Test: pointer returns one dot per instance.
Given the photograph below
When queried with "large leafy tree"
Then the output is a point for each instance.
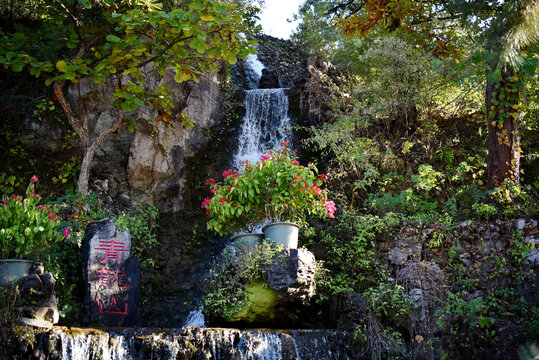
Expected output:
(503, 29)
(117, 41)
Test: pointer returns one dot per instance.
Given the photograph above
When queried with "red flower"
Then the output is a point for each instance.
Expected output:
(205, 203)
(33, 179)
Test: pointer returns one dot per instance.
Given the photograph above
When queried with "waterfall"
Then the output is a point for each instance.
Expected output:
(253, 70)
(196, 343)
(266, 123)
(196, 318)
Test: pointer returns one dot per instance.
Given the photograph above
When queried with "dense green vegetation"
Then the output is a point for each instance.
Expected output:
(415, 139)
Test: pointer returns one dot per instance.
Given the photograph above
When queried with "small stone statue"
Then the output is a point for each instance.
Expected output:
(38, 301)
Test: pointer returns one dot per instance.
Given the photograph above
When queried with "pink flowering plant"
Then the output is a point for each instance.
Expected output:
(276, 188)
(26, 227)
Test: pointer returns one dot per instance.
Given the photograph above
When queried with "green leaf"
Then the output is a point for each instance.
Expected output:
(182, 75)
(61, 66)
(113, 38)
(494, 77)
(85, 3)
(232, 60)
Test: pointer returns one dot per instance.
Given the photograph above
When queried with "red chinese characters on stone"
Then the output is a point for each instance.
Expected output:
(112, 280)
(108, 277)
(113, 250)
(113, 307)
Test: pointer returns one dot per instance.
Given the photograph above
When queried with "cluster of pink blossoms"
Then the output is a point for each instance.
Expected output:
(330, 208)
(267, 157)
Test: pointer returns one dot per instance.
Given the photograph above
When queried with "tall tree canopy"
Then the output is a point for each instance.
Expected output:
(504, 29)
(105, 39)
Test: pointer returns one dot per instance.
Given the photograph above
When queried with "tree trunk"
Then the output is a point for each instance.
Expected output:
(503, 135)
(84, 175)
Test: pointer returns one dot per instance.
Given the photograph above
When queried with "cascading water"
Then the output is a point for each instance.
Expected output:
(196, 343)
(266, 123)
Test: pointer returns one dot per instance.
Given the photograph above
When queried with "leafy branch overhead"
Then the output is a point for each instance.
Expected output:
(129, 37)
(122, 41)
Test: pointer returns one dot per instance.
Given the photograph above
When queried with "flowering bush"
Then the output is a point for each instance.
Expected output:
(27, 228)
(277, 188)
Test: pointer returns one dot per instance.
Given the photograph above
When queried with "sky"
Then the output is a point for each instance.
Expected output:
(274, 15)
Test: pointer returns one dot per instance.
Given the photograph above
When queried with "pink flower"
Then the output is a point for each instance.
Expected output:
(33, 179)
(316, 190)
(330, 208)
(267, 157)
(205, 203)
(66, 233)
(5, 202)
(295, 162)
(228, 172)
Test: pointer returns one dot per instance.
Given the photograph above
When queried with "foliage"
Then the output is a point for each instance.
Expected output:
(238, 267)
(142, 225)
(276, 188)
(26, 228)
(349, 252)
(118, 42)
(389, 303)
(469, 321)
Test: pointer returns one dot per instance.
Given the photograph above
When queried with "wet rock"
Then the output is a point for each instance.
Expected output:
(268, 80)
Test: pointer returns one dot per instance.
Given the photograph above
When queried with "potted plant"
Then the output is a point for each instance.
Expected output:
(233, 207)
(26, 229)
(277, 189)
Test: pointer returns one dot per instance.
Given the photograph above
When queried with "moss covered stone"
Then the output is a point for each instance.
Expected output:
(260, 301)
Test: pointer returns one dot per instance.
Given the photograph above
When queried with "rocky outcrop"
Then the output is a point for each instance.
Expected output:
(156, 156)
(347, 310)
(146, 165)
(292, 276)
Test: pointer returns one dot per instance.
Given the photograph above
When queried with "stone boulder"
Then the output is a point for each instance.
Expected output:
(289, 284)
(111, 276)
(293, 276)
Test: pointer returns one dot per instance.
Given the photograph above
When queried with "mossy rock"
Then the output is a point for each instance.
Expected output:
(260, 302)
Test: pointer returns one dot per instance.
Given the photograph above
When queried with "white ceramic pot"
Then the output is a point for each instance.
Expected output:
(285, 233)
(13, 269)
